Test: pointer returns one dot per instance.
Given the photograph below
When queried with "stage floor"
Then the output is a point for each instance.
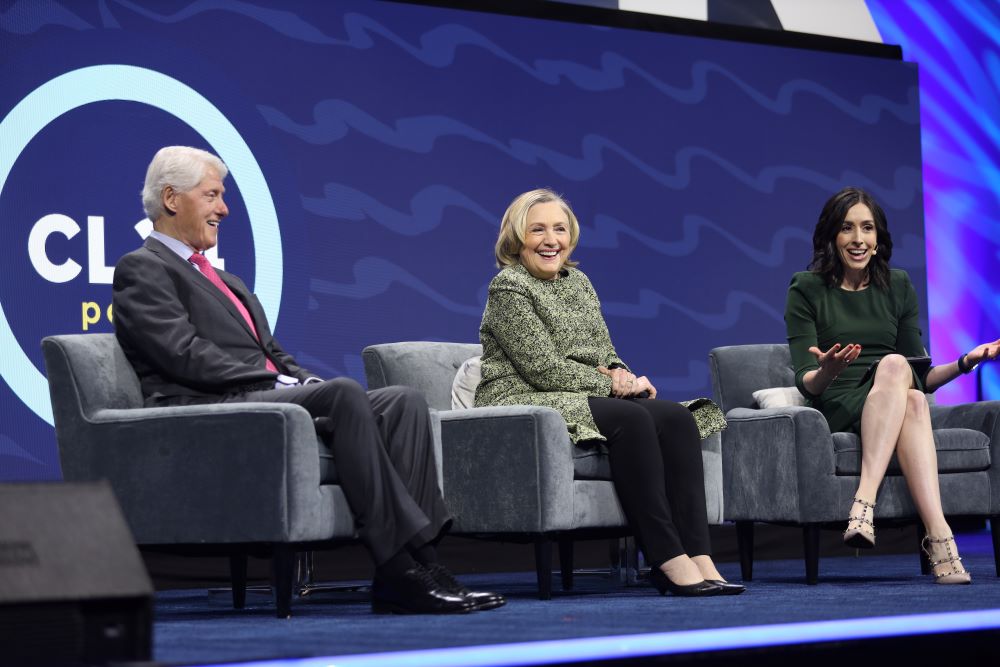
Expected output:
(194, 627)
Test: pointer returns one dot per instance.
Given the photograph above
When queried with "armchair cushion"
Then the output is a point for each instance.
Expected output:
(958, 450)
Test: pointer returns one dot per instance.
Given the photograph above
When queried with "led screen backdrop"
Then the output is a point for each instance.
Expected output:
(374, 146)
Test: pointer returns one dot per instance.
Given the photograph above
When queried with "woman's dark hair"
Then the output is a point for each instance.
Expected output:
(826, 259)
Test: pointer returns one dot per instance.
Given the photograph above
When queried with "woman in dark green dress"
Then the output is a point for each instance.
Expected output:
(848, 311)
(545, 343)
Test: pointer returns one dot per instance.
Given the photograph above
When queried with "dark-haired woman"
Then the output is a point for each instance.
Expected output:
(848, 311)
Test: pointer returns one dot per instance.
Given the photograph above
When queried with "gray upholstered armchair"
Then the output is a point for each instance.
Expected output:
(782, 464)
(512, 472)
(236, 479)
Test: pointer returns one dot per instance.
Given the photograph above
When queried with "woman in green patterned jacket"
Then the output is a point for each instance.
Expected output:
(545, 343)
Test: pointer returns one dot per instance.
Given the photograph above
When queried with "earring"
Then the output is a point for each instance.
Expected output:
(874, 251)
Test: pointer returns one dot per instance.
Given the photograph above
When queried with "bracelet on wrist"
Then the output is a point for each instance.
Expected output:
(963, 364)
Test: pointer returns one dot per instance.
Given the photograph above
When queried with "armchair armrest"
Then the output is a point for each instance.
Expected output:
(228, 472)
(711, 457)
(981, 416)
(984, 417)
(507, 469)
(778, 465)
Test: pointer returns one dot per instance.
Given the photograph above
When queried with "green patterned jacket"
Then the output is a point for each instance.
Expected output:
(542, 343)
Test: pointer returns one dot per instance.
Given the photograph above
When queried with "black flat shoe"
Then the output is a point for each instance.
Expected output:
(727, 588)
(481, 600)
(663, 584)
(415, 592)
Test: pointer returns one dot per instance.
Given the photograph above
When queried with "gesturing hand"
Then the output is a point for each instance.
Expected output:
(984, 352)
(624, 383)
(835, 360)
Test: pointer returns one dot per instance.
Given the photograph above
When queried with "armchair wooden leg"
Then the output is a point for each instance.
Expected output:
(925, 563)
(282, 575)
(543, 566)
(744, 543)
(238, 579)
(995, 533)
(810, 541)
(566, 563)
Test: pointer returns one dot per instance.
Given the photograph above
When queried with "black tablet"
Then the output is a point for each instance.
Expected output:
(919, 364)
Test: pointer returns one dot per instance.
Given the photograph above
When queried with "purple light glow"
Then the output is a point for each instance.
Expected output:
(957, 47)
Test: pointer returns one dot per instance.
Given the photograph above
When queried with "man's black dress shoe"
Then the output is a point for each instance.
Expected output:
(663, 584)
(415, 592)
(727, 588)
(481, 600)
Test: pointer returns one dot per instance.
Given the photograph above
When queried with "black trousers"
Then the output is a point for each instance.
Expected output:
(655, 455)
(383, 453)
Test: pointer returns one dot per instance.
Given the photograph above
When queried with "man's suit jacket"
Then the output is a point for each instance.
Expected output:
(184, 337)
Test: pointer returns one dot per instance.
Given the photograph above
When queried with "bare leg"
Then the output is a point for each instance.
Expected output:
(882, 421)
(918, 460)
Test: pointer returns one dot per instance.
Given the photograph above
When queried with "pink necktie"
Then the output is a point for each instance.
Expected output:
(208, 271)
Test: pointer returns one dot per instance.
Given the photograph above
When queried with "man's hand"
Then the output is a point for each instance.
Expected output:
(285, 381)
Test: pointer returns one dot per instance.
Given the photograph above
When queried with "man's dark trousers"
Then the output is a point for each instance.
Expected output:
(383, 455)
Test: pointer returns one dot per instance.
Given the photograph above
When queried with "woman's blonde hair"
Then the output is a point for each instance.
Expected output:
(511, 239)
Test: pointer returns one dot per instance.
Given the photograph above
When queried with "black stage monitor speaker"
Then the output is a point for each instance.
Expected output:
(73, 588)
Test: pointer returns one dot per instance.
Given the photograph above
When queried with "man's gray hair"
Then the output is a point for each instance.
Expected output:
(180, 167)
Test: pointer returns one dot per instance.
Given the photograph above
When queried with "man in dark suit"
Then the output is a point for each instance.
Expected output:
(195, 334)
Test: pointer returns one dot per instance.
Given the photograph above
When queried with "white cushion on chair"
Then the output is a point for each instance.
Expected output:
(778, 397)
(463, 388)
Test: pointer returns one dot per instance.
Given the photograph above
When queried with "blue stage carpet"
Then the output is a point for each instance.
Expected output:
(194, 627)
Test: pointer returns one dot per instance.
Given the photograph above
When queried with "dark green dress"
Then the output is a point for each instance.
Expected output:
(880, 322)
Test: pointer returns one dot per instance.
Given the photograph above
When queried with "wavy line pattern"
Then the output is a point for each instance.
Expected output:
(334, 118)
(606, 231)
(9, 448)
(651, 301)
(439, 46)
(375, 275)
(26, 17)
(691, 162)
(427, 208)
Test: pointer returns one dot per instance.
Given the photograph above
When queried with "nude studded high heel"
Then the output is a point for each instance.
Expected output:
(943, 552)
(860, 532)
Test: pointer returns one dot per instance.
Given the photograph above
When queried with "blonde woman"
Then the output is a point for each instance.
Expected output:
(546, 343)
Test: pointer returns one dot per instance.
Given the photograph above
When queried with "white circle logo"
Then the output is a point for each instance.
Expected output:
(104, 83)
